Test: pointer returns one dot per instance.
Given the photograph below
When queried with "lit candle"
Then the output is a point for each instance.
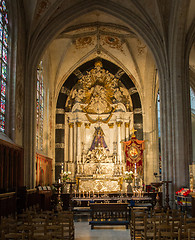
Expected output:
(59, 180)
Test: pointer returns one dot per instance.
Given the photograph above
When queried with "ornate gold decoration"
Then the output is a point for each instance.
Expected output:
(99, 119)
(119, 124)
(87, 125)
(111, 125)
(113, 42)
(98, 92)
(133, 132)
(78, 124)
(71, 125)
(126, 124)
(83, 42)
(59, 145)
(98, 64)
(60, 126)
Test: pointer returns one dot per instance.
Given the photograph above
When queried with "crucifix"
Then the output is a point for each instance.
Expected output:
(133, 132)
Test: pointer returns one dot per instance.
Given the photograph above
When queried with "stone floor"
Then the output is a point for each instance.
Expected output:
(83, 231)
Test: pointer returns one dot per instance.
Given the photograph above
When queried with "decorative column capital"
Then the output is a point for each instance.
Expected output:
(78, 124)
(119, 124)
(127, 124)
(71, 125)
(111, 125)
(87, 125)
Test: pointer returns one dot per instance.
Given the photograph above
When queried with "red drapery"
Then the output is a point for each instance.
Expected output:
(134, 155)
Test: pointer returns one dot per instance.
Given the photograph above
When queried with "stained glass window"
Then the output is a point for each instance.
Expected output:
(3, 61)
(40, 95)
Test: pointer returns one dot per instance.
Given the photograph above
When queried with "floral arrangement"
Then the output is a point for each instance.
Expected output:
(184, 192)
(129, 175)
(65, 176)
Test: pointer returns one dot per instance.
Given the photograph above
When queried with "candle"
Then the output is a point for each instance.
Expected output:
(141, 182)
(135, 168)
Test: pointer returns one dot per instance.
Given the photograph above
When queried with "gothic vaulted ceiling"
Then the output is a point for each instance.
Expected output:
(85, 30)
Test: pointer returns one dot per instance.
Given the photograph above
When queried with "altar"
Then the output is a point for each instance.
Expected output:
(99, 183)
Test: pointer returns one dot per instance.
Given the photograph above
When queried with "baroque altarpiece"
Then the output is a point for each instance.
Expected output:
(97, 121)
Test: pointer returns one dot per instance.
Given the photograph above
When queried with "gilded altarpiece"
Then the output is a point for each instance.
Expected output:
(98, 119)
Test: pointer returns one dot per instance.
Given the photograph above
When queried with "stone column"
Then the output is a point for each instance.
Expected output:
(78, 139)
(176, 131)
(66, 143)
(71, 125)
(111, 125)
(87, 130)
(119, 140)
(126, 131)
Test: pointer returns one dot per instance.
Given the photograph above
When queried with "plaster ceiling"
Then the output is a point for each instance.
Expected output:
(99, 34)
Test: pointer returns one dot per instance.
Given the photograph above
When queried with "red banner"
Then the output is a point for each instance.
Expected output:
(134, 155)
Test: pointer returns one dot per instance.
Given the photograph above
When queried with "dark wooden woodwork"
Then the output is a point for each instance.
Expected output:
(45, 200)
(7, 204)
(11, 166)
(109, 214)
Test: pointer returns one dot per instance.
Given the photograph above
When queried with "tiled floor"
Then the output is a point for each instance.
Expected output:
(83, 232)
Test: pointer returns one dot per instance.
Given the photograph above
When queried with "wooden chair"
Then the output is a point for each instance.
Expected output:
(149, 229)
(67, 222)
(40, 237)
(137, 222)
(55, 231)
(167, 235)
(13, 235)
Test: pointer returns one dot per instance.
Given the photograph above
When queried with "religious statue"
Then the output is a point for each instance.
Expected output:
(98, 140)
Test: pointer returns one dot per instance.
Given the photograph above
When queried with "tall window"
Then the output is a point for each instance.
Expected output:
(40, 94)
(3, 61)
(159, 133)
(192, 96)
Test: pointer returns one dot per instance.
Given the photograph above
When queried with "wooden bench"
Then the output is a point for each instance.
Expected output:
(109, 214)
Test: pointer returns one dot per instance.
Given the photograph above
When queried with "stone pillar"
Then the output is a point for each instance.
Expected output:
(71, 125)
(119, 140)
(111, 125)
(66, 143)
(78, 138)
(87, 130)
(126, 131)
(176, 131)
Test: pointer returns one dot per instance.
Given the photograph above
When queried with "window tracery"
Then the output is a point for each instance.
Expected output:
(3, 61)
(40, 102)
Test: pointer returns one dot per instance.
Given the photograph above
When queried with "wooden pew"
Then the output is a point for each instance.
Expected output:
(109, 214)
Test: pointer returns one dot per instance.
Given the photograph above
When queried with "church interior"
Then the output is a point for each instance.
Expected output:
(97, 116)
